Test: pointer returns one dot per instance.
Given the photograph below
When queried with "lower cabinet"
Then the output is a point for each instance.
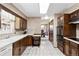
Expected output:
(29, 41)
(16, 48)
(74, 49)
(66, 48)
(60, 47)
(71, 48)
(20, 46)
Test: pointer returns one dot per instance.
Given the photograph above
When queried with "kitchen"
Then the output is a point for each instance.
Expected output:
(13, 37)
(18, 32)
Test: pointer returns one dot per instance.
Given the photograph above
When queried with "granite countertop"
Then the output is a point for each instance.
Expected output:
(5, 42)
(77, 42)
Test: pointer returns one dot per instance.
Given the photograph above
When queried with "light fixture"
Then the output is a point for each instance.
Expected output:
(45, 17)
(44, 8)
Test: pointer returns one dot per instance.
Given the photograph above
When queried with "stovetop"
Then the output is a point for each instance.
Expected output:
(73, 38)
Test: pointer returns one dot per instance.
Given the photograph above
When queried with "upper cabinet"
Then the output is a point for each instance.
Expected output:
(20, 24)
(74, 17)
(10, 21)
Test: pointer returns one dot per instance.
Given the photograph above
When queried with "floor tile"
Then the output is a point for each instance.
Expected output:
(45, 49)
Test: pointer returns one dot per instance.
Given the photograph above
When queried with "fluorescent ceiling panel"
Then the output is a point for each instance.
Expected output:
(44, 8)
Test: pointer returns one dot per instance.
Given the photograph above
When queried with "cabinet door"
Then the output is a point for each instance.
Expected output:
(60, 46)
(18, 23)
(66, 48)
(22, 46)
(29, 40)
(73, 49)
(24, 23)
(16, 48)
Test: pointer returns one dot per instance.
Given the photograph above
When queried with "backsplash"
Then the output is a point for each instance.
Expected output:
(8, 35)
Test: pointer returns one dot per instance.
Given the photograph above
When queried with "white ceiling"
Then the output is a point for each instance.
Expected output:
(33, 9)
(55, 8)
(29, 9)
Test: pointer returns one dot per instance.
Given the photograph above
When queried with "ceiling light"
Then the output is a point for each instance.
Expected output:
(45, 18)
(44, 8)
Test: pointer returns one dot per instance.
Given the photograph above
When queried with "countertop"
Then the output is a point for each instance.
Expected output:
(77, 42)
(13, 39)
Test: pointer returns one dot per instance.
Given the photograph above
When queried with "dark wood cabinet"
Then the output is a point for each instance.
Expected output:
(62, 30)
(66, 28)
(16, 48)
(60, 46)
(20, 24)
(74, 49)
(29, 41)
(20, 46)
(51, 31)
(66, 47)
(71, 48)
(74, 16)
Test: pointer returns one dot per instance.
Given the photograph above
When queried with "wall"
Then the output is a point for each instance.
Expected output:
(34, 25)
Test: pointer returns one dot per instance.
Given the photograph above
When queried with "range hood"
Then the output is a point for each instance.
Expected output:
(74, 21)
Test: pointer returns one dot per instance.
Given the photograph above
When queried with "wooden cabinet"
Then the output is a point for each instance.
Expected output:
(62, 30)
(51, 31)
(66, 28)
(66, 47)
(16, 48)
(60, 46)
(74, 49)
(20, 24)
(74, 16)
(29, 40)
(71, 48)
(20, 46)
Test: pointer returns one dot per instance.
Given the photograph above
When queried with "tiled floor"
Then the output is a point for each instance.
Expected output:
(45, 49)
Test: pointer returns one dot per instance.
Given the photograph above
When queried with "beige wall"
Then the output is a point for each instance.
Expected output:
(14, 9)
(34, 25)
